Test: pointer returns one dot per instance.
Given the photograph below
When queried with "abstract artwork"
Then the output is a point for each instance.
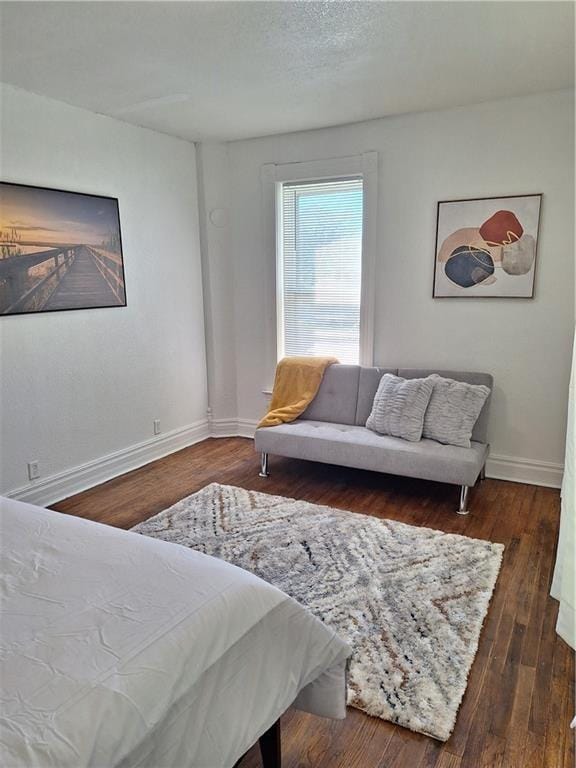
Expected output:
(58, 250)
(486, 247)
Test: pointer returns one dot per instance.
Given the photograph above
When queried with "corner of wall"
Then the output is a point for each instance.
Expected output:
(218, 279)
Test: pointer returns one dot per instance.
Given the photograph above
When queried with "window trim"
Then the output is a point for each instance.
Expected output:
(272, 177)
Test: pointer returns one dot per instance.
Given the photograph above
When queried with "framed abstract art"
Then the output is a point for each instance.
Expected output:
(486, 247)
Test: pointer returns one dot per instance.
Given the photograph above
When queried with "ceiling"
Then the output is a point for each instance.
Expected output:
(232, 70)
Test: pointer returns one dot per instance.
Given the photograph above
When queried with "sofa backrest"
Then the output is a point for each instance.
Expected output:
(368, 386)
(347, 393)
(337, 397)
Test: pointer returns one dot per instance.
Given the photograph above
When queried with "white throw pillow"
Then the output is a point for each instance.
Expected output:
(399, 407)
(453, 410)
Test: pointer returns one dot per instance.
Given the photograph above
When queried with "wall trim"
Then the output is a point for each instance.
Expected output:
(224, 427)
(59, 486)
(49, 490)
(233, 427)
(247, 427)
(519, 470)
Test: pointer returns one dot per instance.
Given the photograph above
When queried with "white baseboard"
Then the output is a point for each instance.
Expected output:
(233, 427)
(224, 427)
(246, 427)
(519, 470)
(51, 489)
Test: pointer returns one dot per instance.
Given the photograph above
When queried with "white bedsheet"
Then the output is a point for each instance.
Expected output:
(122, 650)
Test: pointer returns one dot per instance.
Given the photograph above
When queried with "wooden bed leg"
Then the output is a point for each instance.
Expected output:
(270, 747)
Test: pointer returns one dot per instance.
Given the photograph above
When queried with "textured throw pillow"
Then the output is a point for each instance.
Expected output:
(399, 407)
(453, 410)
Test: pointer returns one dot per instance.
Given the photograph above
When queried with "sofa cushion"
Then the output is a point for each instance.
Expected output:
(355, 446)
(399, 407)
(453, 410)
(479, 433)
(336, 399)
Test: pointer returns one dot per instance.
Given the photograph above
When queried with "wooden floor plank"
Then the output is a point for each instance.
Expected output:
(404, 748)
(533, 756)
(541, 699)
(520, 696)
(447, 760)
(520, 715)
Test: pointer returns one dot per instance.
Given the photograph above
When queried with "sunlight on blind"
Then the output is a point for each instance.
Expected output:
(320, 270)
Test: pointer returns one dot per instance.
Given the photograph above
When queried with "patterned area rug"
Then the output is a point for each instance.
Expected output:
(410, 601)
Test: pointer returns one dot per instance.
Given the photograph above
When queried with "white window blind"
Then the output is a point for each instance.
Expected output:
(320, 268)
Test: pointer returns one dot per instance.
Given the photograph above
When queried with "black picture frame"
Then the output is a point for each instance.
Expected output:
(58, 274)
(480, 245)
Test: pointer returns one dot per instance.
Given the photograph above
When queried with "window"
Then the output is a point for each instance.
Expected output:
(320, 238)
(319, 270)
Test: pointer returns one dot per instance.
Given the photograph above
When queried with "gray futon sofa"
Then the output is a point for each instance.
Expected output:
(332, 430)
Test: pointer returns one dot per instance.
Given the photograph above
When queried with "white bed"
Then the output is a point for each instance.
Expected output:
(122, 650)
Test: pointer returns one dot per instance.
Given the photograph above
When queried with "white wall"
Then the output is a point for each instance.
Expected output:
(80, 385)
(516, 146)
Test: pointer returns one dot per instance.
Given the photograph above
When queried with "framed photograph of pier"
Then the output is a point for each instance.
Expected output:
(59, 250)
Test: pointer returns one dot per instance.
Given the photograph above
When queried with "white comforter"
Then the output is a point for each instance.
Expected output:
(122, 650)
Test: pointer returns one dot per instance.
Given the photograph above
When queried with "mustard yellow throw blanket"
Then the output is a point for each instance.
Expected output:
(296, 383)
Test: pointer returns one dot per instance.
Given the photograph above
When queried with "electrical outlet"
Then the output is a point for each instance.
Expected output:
(157, 426)
(33, 470)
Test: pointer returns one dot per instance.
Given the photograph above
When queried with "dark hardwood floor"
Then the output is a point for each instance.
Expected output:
(520, 696)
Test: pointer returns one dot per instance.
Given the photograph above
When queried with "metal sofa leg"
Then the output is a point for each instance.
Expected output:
(463, 500)
(263, 465)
